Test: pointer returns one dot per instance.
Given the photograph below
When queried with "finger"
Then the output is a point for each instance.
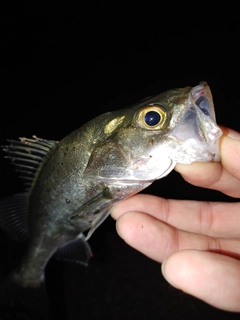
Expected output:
(211, 277)
(224, 176)
(215, 219)
(210, 175)
(158, 240)
(230, 152)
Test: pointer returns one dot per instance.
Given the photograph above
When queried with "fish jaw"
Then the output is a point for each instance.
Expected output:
(196, 136)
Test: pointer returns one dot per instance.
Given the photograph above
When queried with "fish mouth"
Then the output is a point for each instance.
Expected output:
(197, 134)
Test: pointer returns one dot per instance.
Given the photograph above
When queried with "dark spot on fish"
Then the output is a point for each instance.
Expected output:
(96, 211)
(67, 200)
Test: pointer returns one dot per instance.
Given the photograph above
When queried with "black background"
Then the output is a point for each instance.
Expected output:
(65, 63)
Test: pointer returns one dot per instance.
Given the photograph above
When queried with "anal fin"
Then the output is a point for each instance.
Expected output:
(77, 251)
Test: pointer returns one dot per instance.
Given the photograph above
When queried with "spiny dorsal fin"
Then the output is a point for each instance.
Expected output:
(27, 155)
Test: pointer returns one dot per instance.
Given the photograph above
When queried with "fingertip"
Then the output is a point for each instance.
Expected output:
(172, 267)
(202, 174)
(211, 277)
(124, 226)
(184, 268)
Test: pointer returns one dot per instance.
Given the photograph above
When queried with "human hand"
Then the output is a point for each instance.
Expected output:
(198, 242)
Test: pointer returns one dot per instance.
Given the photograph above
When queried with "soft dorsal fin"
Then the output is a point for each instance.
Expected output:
(27, 156)
(14, 216)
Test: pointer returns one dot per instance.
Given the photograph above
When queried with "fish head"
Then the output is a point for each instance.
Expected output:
(146, 141)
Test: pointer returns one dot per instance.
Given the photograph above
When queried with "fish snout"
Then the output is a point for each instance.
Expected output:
(197, 132)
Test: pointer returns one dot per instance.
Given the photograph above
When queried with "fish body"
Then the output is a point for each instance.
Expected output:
(71, 185)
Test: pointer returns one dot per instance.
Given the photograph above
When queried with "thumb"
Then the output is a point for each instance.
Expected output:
(210, 277)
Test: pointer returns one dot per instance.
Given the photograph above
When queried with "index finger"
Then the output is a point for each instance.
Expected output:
(215, 219)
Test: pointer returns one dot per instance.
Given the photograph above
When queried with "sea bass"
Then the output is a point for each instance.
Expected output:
(72, 184)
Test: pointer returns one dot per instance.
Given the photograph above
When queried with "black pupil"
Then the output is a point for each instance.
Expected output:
(152, 118)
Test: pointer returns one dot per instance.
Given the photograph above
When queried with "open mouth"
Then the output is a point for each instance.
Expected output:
(197, 133)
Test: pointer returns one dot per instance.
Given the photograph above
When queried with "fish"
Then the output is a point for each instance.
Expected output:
(70, 186)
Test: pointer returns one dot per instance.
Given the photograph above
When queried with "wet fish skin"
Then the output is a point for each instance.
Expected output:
(110, 158)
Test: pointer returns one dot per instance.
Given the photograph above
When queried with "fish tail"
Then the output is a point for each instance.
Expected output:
(17, 302)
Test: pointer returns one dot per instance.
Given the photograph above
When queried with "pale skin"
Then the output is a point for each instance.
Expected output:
(197, 243)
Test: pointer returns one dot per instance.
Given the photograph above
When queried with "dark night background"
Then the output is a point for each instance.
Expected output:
(63, 64)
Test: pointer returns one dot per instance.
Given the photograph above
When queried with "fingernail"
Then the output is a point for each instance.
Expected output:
(168, 277)
(163, 267)
(233, 134)
(164, 273)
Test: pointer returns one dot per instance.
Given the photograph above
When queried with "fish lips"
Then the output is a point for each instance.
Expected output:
(196, 136)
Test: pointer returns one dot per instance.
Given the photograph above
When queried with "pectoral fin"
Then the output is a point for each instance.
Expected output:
(101, 217)
(94, 211)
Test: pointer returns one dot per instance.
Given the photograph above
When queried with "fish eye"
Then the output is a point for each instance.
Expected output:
(152, 117)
